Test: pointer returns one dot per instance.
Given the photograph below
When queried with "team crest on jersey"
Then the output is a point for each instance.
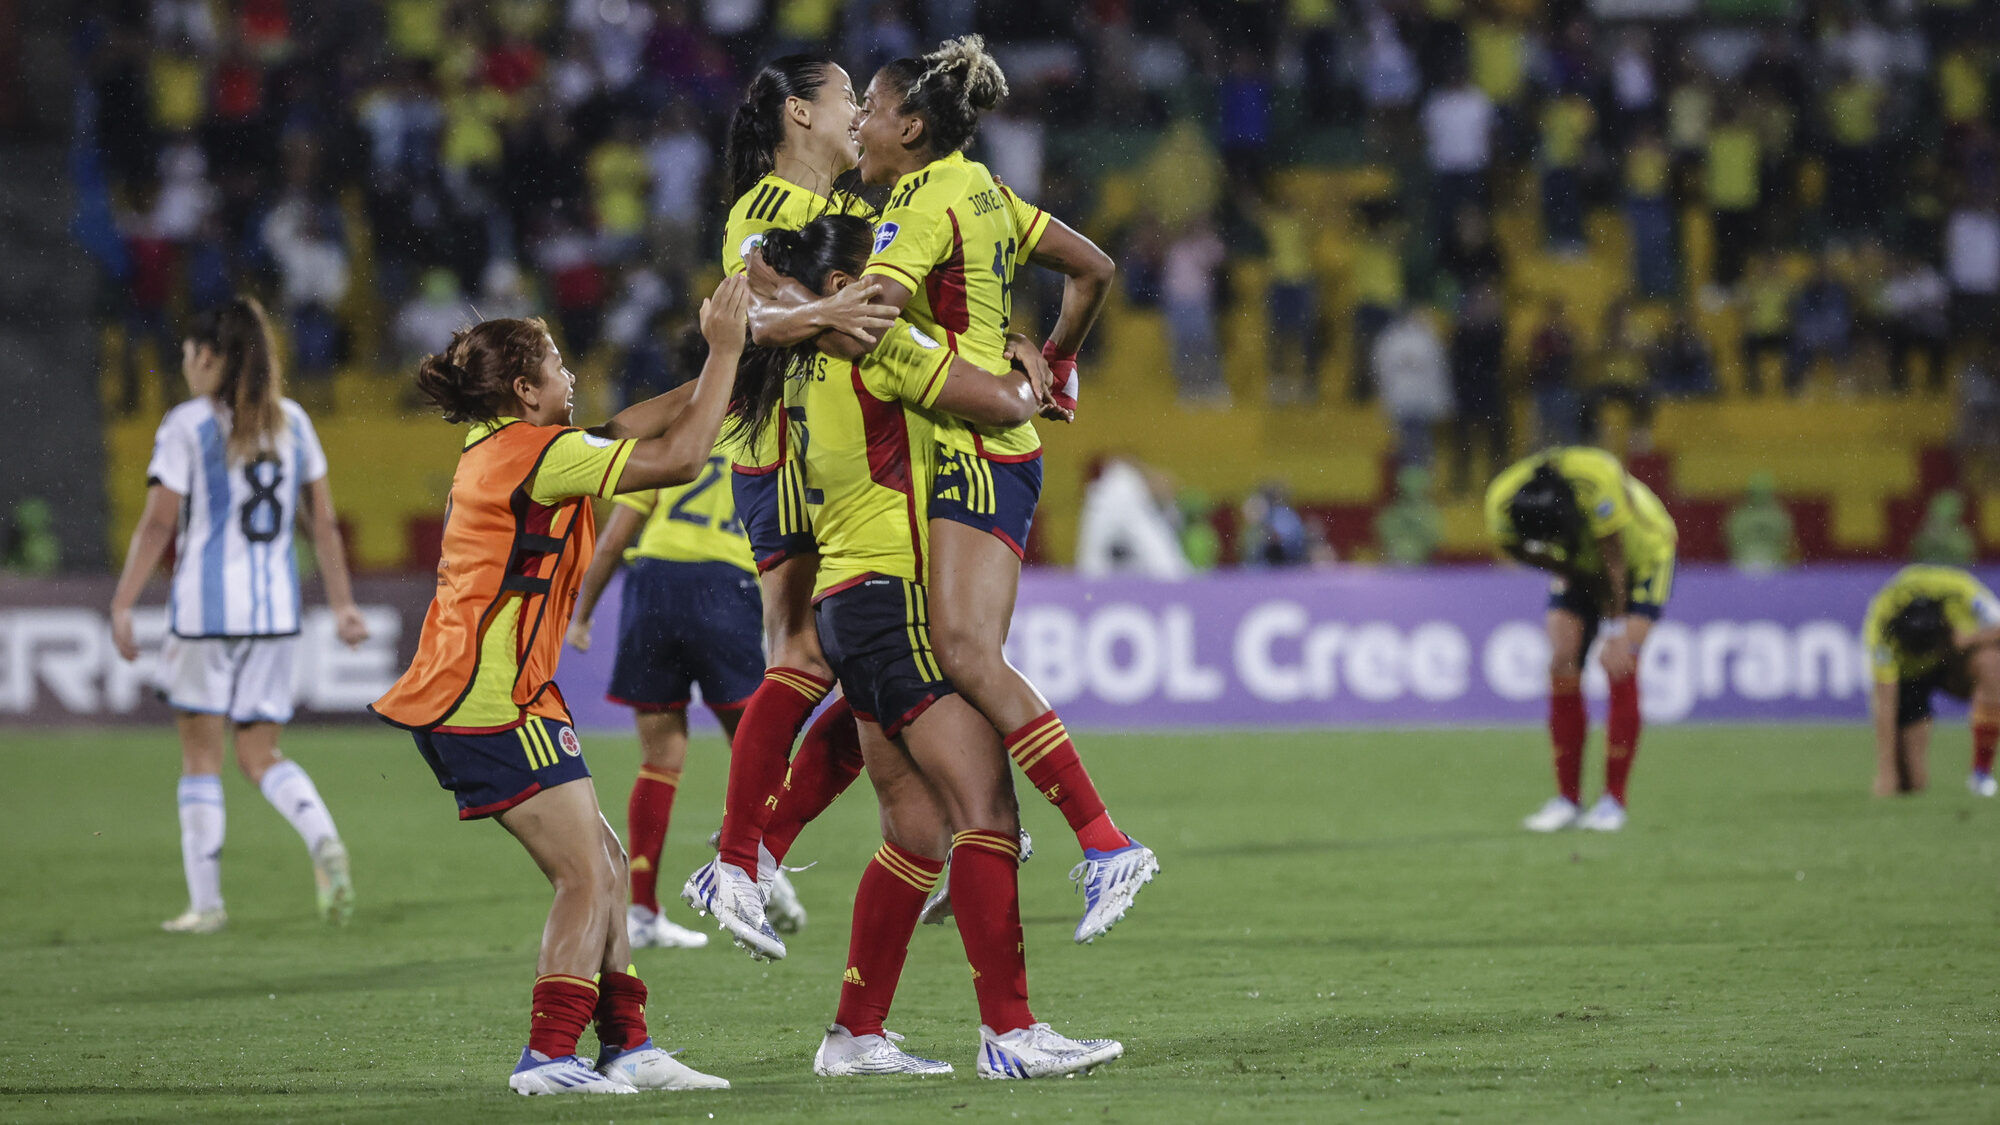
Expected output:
(754, 242)
(884, 235)
(1604, 508)
(922, 339)
(570, 745)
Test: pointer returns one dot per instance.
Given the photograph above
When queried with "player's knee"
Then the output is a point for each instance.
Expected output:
(962, 651)
(1565, 666)
(1985, 664)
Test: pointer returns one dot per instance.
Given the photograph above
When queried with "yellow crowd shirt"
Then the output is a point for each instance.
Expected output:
(869, 449)
(1968, 606)
(954, 238)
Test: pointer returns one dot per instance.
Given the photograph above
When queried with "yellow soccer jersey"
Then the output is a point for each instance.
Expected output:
(870, 451)
(774, 204)
(693, 522)
(1611, 501)
(576, 464)
(1968, 605)
(954, 238)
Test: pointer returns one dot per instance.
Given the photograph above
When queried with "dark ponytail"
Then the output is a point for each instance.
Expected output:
(251, 387)
(472, 380)
(808, 256)
(950, 88)
(758, 125)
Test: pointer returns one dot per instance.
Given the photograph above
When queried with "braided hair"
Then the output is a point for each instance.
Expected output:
(950, 88)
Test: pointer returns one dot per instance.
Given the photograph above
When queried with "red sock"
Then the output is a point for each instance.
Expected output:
(757, 757)
(1044, 752)
(563, 1006)
(621, 1010)
(1569, 725)
(892, 894)
(828, 761)
(986, 899)
(1985, 736)
(1621, 736)
(647, 812)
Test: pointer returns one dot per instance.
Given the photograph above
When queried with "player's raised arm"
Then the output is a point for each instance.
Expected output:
(677, 454)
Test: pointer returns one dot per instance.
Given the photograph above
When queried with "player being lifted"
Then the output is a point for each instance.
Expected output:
(947, 247)
(480, 696)
(229, 468)
(863, 434)
(1932, 629)
(1576, 513)
(690, 615)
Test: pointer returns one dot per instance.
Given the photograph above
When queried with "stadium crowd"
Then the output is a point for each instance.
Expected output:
(379, 167)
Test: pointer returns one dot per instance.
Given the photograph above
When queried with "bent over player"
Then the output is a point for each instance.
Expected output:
(1576, 513)
(1932, 629)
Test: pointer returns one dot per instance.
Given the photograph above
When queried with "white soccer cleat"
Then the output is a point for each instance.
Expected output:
(1982, 785)
(1559, 813)
(1109, 882)
(699, 890)
(647, 930)
(843, 1055)
(1027, 848)
(197, 922)
(332, 883)
(1037, 1051)
(539, 1074)
(1607, 815)
(647, 1067)
(739, 907)
(782, 907)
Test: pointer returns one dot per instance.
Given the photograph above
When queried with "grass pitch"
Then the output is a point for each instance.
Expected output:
(1348, 927)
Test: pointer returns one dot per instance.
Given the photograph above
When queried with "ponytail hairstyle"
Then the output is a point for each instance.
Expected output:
(949, 88)
(472, 380)
(758, 126)
(807, 255)
(252, 386)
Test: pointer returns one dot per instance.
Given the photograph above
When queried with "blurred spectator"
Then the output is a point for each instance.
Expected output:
(1734, 194)
(1681, 366)
(633, 331)
(679, 159)
(1943, 539)
(1853, 109)
(1458, 142)
(1142, 261)
(1199, 541)
(1648, 171)
(32, 547)
(1822, 325)
(1915, 304)
(1760, 529)
(304, 237)
(1621, 379)
(1411, 371)
(1190, 278)
(1245, 109)
(1480, 412)
(1767, 318)
(1292, 303)
(619, 182)
(147, 300)
(1407, 530)
(1972, 262)
(1270, 531)
(1567, 122)
(1552, 378)
(1470, 257)
(503, 291)
(1389, 83)
(1977, 440)
(576, 274)
(1124, 526)
(424, 325)
(1375, 272)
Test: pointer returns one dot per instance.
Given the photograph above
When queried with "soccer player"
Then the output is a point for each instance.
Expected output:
(788, 141)
(690, 615)
(480, 696)
(1932, 629)
(946, 249)
(1609, 542)
(867, 452)
(229, 469)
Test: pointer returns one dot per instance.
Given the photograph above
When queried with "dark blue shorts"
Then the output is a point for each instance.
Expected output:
(876, 634)
(687, 623)
(491, 773)
(1914, 694)
(993, 496)
(771, 506)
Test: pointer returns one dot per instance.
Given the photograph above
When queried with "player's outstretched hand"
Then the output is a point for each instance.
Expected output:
(121, 634)
(579, 635)
(1022, 352)
(350, 626)
(725, 317)
(855, 311)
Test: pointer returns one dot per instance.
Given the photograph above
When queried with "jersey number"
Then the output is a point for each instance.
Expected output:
(1003, 268)
(261, 515)
(797, 416)
(707, 480)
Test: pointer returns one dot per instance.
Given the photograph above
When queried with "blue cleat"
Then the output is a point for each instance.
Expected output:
(1109, 882)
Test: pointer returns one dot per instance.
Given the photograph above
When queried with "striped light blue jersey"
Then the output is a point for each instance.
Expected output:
(234, 572)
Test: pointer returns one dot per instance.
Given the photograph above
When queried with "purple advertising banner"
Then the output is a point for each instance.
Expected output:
(1336, 647)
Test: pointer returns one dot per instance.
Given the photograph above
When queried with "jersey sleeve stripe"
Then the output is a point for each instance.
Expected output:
(619, 456)
(934, 385)
(910, 281)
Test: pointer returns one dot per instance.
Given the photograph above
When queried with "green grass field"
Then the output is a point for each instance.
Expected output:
(1348, 926)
